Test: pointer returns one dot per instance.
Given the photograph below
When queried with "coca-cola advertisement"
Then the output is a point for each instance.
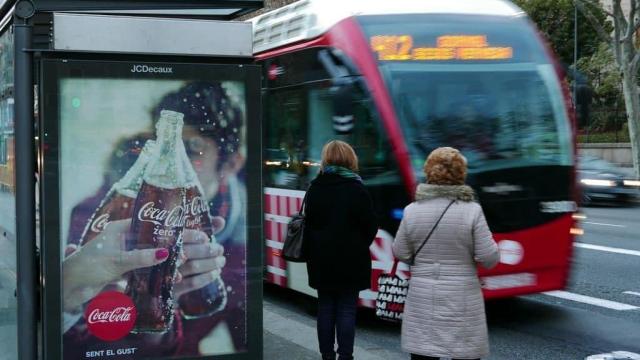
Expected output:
(153, 177)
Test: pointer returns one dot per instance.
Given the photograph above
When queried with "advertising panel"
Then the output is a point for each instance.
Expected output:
(150, 171)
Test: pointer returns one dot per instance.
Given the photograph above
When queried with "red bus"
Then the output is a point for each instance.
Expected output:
(396, 79)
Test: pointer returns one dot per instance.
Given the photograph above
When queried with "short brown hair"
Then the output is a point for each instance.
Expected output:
(339, 153)
(445, 166)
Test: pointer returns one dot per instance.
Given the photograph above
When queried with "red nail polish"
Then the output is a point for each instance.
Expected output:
(162, 254)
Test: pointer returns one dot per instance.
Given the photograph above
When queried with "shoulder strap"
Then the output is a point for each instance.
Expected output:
(304, 201)
(413, 258)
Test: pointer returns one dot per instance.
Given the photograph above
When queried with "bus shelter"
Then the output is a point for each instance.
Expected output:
(129, 180)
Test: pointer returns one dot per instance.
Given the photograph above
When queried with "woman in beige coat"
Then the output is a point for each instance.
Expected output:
(444, 314)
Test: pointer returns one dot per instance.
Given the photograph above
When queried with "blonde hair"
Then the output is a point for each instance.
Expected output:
(339, 153)
(445, 166)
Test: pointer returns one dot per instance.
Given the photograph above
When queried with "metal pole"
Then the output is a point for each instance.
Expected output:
(25, 193)
(575, 54)
(575, 67)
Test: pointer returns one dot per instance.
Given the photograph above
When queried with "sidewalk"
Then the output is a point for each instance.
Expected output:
(287, 338)
(275, 346)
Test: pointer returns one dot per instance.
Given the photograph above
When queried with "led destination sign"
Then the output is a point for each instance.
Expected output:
(448, 47)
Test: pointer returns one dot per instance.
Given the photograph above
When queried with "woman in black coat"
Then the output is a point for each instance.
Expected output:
(340, 226)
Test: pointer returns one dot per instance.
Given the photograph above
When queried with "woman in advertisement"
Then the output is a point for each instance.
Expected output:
(212, 259)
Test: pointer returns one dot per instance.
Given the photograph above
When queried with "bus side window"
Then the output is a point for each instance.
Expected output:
(300, 118)
(369, 140)
(285, 143)
(363, 132)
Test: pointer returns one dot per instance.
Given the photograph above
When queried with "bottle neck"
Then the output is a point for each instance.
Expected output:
(130, 183)
(165, 169)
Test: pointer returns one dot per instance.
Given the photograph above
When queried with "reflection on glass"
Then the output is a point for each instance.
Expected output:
(8, 304)
(510, 118)
(301, 121)
(483, 85)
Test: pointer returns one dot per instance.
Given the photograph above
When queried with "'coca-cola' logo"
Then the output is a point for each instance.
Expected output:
(100, 223)
(110, 316)
(197, 206)
(161, 217)
(119, 314)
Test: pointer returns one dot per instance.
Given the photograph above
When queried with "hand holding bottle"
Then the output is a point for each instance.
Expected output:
(108, 261)
(203, 259)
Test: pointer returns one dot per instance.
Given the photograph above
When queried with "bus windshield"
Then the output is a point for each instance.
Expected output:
(479, 84)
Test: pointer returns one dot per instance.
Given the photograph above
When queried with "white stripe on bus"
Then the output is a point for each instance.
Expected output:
(381, 265)
(283, 192)
(277, 218)
(274, 230)
(273, 204)
(275, 244)
(276, 271)
(282, 206)
(293, 205)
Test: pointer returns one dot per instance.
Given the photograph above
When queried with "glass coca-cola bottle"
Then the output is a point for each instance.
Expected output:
(158, 222)
(213, 297)
(118, 203)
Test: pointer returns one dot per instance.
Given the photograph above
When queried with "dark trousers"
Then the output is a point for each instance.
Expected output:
(422, 357)
(337, 316)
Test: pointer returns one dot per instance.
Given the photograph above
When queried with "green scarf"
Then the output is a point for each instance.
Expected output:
(341, 171)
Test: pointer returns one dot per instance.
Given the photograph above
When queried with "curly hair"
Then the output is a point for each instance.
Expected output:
(207, 107)
(445, 166)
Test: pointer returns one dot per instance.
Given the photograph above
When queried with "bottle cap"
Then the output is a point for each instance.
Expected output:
(171, 115)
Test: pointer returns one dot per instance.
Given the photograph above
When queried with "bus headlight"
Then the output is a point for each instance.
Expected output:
(576, 231)
(595, 182)
(632, 183)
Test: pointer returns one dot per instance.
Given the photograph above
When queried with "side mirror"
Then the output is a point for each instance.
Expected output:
(342, 98)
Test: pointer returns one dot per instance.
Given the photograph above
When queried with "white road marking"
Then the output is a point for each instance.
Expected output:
(615, 355)
(632, 293)
(607, 249)
(603, 224)
(591, 300)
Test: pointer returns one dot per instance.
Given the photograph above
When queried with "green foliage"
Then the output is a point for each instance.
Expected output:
(597, 70)
(601, 69)
(605, 137)
(607, 106)
(555, 19)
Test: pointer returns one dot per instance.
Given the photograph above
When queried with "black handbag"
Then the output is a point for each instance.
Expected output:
(413, 258)
(292, 249)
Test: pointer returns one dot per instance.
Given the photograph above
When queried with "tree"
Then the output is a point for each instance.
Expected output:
(555, 19)
(605, 86)
(627, 57)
